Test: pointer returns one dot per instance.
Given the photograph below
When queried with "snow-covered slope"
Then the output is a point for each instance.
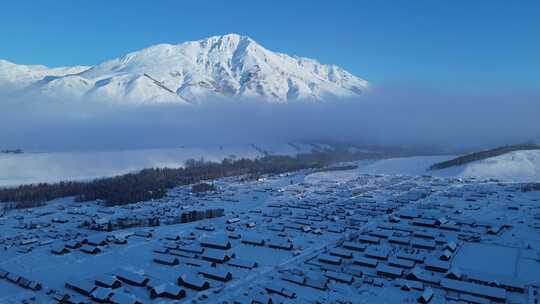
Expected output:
(518, 166)
(20, 76)
(219, 66)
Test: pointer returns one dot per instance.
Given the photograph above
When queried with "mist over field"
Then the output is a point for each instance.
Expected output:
(385, 115)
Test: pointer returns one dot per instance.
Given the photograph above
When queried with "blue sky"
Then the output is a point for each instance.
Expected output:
(449, 44)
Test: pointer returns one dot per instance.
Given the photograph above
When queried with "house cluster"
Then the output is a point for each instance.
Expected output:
(412, 248)
(20, 281)
(150, 219)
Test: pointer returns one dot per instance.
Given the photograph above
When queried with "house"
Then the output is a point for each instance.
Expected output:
(234, 236)
(354, 246)
(83, 287)
(260, 299)
(73, 244)
(233, 220)
(167, 290)
(423, 234)
(426, 296)
(280, 289)
(143, 234)
(423, 243)
(216, 243)
(451, 246)
(120, 241)
(424, 222)
(368, 239)
(339, 277)
(90, 249)
(101, 294)
(59, 296)
(454, 273)
(446, 255)
(108, 281)
(402, 263)
(492, 293)
(23, 282)
(416, 257)
(3, 273)
(217, 256)
(191, 248)
(409, 285)
(96, 240)
(342, 253)
(181, 253)
(420, 275)
(59, 250)
(377, 253)
(329, 259)
(173, 237)
(317, 283)
(293, 278)
(437, 265)
(196, 262)
(242, 263)
(166, 260)
(389, 271)
(367, 262)
(280, 243)
(132, 278)
(161, 250)
(399, 240)
(28, 241)
(509, 283)
(215, 273)
(257, 241)
(193, 282)
(381, 233)
(13, 278)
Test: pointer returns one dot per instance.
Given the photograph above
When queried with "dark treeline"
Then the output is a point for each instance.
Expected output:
(482, 155)
(153, 183)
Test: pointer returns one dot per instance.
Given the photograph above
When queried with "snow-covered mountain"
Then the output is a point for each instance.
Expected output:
(18, 76)
(219, 66)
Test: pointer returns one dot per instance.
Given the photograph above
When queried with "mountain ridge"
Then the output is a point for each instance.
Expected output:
(190, 72)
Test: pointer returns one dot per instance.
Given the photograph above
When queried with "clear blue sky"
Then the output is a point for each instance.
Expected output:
(455, 44)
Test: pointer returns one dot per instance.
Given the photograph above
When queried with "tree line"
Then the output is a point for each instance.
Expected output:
(153, 183)
(462, 160)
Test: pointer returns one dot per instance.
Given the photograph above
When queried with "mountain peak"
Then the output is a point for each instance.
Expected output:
(230, 65)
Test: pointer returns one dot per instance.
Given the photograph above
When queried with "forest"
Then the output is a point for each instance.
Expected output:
(153, 183)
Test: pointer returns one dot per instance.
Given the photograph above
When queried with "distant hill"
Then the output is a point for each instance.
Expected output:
(476, 156)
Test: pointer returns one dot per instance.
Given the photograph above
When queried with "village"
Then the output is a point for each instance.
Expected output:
(335, 236)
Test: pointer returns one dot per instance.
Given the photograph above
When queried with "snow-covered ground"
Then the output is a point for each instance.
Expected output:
(519, 166)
